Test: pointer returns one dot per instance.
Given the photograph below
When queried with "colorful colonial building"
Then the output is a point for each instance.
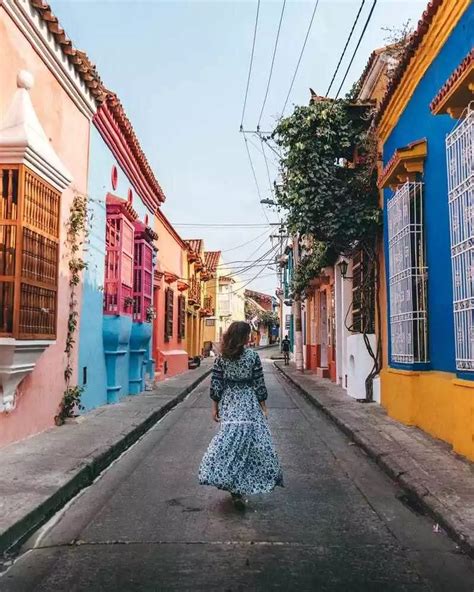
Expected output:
(99, 295)
(123, 196)
(171, 288)
(210, 322)
(262, 312)
(426, 130)
(48, 94)
(199, 304)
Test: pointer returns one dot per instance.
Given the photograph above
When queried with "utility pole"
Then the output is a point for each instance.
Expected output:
(297, 314)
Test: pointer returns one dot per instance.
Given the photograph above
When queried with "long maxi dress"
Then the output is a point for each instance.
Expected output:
(241, 458)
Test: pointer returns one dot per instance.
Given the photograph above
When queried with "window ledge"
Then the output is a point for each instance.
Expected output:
(17, 360)
(404, 372)
(463, 382)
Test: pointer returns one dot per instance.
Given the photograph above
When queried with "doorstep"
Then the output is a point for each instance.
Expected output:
(40, 474)
(424, 467)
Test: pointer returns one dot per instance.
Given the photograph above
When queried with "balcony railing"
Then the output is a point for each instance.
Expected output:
(208, 308)
(194, 295)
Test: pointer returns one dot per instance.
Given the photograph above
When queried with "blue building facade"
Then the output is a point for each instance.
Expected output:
(114, 351)
(430, 373)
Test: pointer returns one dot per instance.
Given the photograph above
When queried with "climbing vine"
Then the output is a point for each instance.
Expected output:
(329, 193)
(314, 259)
(76, 234)
(328, 173)
(328, 180)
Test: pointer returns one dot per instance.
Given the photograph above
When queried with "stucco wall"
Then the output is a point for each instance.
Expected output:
(417, 122)
(172, 259)
(91, 350)
(40, 393)
(433, 399)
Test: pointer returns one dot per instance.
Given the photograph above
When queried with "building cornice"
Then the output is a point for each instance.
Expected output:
(458, 91)
(117, 132)
(404, 165)
(167, 224)
(70, 67)
(434, 28)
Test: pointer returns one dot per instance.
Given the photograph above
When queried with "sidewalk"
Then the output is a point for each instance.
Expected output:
(431, 475)
(40, 474)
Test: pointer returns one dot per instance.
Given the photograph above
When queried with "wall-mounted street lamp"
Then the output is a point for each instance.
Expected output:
(268, 202)
(343, 266)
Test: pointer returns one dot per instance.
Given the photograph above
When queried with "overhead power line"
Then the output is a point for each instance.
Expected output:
(272, 64)
(300, 57)
(250, 65)
(223, 225)
(345, 47)
(266, 166)
(253, 263)
(257, 147)
(357, 47)
(252, 279)
(246, 242)
(254, 176)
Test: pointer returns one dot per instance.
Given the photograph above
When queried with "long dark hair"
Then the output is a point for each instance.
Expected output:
(235, 339)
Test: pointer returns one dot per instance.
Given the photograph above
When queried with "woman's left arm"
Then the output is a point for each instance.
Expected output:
(217, 387)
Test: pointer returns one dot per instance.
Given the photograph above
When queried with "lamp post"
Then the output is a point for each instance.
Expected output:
(343, 266)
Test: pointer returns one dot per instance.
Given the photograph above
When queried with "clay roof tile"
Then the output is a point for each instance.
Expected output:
(415, 41)
(211, 259)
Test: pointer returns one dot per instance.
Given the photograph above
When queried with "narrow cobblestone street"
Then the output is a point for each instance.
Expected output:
(146, 524)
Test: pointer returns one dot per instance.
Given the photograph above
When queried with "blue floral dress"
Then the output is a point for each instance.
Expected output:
(240, 458)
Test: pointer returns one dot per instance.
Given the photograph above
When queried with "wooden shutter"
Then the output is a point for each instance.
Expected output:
(181, 317)
(119, 262)
(29, 254)
(142, 279)
(169, 310)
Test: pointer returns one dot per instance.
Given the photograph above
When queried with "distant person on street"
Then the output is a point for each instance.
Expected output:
(241, 458)
(285, 348)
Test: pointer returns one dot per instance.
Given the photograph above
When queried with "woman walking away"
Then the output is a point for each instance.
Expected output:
(240, 458)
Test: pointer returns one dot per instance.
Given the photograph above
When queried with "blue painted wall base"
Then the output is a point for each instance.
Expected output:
(116, 331)
(139, 341)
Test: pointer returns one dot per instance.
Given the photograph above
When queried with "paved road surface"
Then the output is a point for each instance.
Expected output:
(146, 524)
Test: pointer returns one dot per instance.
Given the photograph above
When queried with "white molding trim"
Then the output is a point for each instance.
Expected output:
(23, 140)
(27, 19)
(17, 360)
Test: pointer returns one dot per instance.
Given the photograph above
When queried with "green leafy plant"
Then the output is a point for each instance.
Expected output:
(128, 301)
(316, 257)
(150, 314)
(76, 235)
(70, 403)
(328, 172)
(268, 318)
(328, 188)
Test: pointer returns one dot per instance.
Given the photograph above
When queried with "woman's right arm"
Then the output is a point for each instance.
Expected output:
(217, 387)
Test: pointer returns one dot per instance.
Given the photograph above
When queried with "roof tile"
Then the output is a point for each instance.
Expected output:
(211, 259)
(415, 41)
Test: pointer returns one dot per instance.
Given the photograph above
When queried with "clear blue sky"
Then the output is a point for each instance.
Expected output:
(180, 69)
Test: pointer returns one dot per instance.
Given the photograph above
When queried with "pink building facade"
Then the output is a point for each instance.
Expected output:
(35, 141)
(170, 294)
